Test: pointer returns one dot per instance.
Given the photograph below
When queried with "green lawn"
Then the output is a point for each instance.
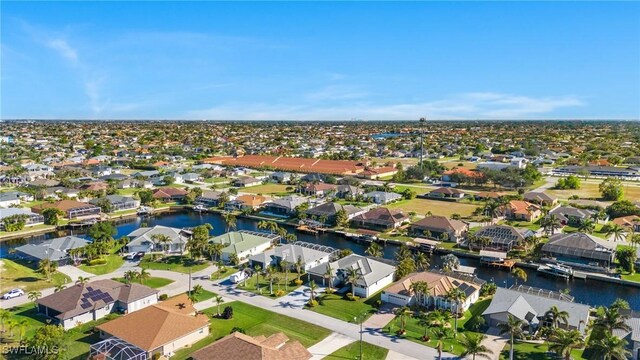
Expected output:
(344, 309)
(114, 262)
(257, 321)
(437, 207)
(419, 189)
(223, 273)
(80, 337)
(204, 295)
(532, 351)
(21, 274)
(152, 282)
(263, 283)
(596, 232)
(352, 351)
(271, 189)
(182, 264)
(27, 229)
(216, 180)
(414, 331)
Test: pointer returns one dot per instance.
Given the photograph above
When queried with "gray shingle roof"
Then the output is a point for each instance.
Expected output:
(54, 249)
(371, 270)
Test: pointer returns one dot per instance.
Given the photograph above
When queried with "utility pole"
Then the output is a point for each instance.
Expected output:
(189, 282)
(422, 121)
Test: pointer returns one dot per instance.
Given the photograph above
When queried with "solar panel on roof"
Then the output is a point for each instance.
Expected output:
(108, 298)
(85, 306)
(89, 288)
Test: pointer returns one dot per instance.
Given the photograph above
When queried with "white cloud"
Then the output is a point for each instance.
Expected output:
(64, 49)
(463, 106)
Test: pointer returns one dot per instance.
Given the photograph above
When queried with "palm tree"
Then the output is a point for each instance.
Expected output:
(284, 266)
(328, 276)
(420, 288)
(422, 262)
(374, 250)
(34, 295)
(47, 267)
(472, 345)
(587, 226)
(611, 319)
(163, 240)
(197, 289)
(143, 275)
(617, 231)
(22, 324)
(550, 224)
(230, 220)
(441, 334)
(457, 296)
(5, 315)
(424, 320)
(81, 280)
(402, 313)
(59, 288)
(611, 347)
(353, 276)
(562, 342)
(270, 273)
(257, 269)
(513, 327)
(555, 316)
(312, 290)
(219, 300)
(519, 273)
(299, 264)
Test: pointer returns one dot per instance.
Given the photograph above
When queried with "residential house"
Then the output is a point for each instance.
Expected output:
(291, 253)
(54, 249)
(280, 177)
(502, 237)
(72, 209)
(633, 336)
(439, 285)
(521, 210)
(134, 183)
(246, 181)
(436, 226)
(569, 215)
(157, 331)
(382, 197)
(247, 201)
(31, 218)
(244, 243)
(379, 219)
(118, 202)
(446, 193)
(319, 189)
(147, 239)
(81, 303)
(209, 198)
(168, 194)
(374, 275)
(629, 222)
(530, 305)
(241, 346)
(348, 191)
(60, 192)
(191, 177)
(329, 210)
(14, 198)
(579, 249)
(285, 206)
(540, 198)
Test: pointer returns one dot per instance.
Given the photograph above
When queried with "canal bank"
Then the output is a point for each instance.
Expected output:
(581, 289)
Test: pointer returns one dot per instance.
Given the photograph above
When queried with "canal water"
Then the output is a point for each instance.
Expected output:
(594, 293)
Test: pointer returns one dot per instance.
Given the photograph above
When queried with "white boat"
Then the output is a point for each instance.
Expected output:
(556, 270)
(144, 210)
(199, 208)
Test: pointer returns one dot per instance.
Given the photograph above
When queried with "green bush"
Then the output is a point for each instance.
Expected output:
(163, 297)
(100, 261)
(312, 303)
(298, 282)
(280, 293)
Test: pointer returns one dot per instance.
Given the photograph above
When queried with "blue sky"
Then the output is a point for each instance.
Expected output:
(375, 61)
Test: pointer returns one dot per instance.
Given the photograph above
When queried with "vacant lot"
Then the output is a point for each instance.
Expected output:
(152, 282)
(182, 264)
(352, 351)
(591, 191)
(267, 189)
(422, 206)
(22, 275)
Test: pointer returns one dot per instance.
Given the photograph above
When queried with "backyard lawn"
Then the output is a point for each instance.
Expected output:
(267, 189)
(338, 307)
(414, 331)
(176, 263)
(152, 282)
(422, 206)
(256, 321)
(352, 351)
(79, 338)
(19, 274)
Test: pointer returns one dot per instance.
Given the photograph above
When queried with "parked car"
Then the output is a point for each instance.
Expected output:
(13, 294)
(239, 276)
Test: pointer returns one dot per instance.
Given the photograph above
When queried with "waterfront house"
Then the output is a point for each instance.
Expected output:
(285, 206)
(246, 201)
(330, 209)
(71, 209)
(374, 275)
(157, 331)
(209, 198)
(146, 239)
(435, 226)
(118, 202)
(168, 194)
(244, 243)
(579, 249)
(530, 305)
(632, 337)
(81, 303)
(30, 217)
(309, 256)
(502, 237)
(439, 285)
(54, 249)
(241, 346)
(379, 219)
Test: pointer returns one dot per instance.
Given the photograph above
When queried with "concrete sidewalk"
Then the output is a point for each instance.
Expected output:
(329, 345)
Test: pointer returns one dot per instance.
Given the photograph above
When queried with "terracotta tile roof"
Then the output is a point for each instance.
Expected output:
(156, 325)
(522, 207)
(627, 220)
(167, 192)
(241, 346)
(463, 171)
(251, 200)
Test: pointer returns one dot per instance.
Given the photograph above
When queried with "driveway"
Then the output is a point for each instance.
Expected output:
(329, 345)
(381, 318)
